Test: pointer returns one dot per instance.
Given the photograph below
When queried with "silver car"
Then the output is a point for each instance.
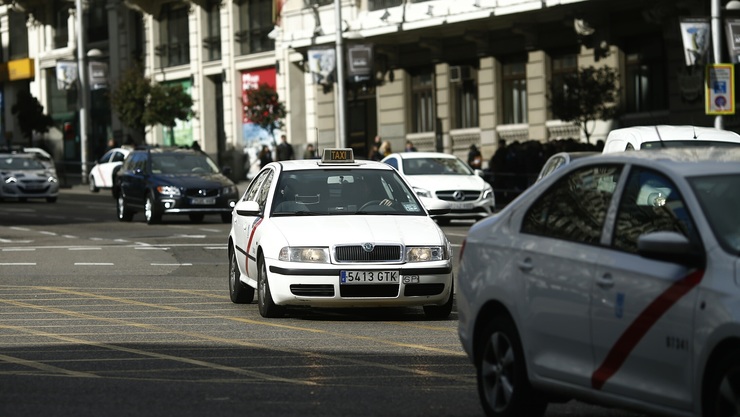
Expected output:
(614, 280)
(25, 176)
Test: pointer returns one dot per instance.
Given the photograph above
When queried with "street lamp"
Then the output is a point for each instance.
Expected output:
(340, 72)
(82, 74)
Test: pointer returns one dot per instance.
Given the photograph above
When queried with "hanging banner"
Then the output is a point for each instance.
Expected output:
(321, 63)
(720, 89)
(360, 62)
(252, 134)
(66, 72)
(695, 34)
(98, 75)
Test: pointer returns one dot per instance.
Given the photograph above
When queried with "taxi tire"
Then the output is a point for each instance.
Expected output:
(500, 365)
(722, 387)
(123, 212)
(433, 312)
(239, 292)
(267, 307)
(153, 216)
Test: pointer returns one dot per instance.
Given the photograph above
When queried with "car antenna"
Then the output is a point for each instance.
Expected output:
(694, 127)
(662, 145)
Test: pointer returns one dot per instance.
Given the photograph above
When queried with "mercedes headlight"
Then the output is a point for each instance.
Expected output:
(169, 190)
(422, 192)
(487, 194)
(311, 255)
(425, 253)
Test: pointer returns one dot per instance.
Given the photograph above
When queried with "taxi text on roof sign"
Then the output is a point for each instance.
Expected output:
(338, 155)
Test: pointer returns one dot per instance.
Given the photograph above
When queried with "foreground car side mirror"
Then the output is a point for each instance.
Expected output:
(670, 247)
(435, 207)
(248, 208)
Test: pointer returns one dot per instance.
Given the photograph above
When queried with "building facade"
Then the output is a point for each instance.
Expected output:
(444, 74)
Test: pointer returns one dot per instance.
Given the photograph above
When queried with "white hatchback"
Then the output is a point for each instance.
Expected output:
(337, 233)
(101, 174)
(446, 177)
(613, 280)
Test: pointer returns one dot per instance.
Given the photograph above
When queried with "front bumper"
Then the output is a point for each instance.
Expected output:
(292, 284)
(30, 190)
(185, 205)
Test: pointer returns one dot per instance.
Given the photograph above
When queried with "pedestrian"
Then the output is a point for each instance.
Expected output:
(410, 146)
(265, 156)
(284, 149)
(475, 159)
(310, 152)
(385, 149)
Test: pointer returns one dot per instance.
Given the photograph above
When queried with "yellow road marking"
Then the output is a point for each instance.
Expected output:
(45, 367)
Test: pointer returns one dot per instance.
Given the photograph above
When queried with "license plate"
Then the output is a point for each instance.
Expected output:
(33, 186)
(461, 206)
(368, 277)
(203, 200)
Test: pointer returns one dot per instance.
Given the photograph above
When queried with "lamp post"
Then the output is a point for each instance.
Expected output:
(342, 143)
(82, 74)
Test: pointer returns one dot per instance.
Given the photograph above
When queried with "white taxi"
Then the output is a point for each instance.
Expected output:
(337, 232)
(614, 280)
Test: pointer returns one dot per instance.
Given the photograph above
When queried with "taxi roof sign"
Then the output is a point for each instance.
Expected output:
(338, 155)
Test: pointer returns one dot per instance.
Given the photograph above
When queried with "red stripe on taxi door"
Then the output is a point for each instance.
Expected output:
(641, 325)
(249, 242)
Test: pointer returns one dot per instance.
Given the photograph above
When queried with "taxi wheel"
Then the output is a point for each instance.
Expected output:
(196, 217)
(93, 187)
(503, 387)
(153, 216)
(124, 214)
(267, 307)
(239, 292)
(440, 312)
(722, 390)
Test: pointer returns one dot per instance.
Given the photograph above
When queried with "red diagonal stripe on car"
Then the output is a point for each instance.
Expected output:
(249, 242)
(641, 325)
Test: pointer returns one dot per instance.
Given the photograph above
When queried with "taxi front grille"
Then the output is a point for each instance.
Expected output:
(380, 253)
(369, 291)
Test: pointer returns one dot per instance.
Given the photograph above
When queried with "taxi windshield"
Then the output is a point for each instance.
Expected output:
(720, 202)
(344, 192)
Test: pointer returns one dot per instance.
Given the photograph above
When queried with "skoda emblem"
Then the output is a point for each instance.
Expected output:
(458, 195)
(368, 247)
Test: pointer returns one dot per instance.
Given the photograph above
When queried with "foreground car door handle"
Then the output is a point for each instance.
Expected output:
(605, 281)
(526, 265)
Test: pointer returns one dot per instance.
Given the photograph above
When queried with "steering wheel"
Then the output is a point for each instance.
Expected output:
(368, 204)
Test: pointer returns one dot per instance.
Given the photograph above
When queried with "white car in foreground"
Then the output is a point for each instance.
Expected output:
(446, 177)
(337, 233)
(614, 280)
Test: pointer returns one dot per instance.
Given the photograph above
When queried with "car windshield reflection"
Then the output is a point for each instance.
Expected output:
(180, 163)
(435, 166)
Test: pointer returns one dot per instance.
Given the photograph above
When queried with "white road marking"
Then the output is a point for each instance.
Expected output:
(15, 241)
(22, 229)
(85, 248)
(94, 264)
(175, 264)
(44, 232)
(150, 248)
(18, 249)
(189, 236)
(18, 264)
(215, 248)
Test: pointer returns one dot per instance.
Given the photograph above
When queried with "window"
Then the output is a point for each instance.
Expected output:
(174, 48)
(255, 22)
(515, 92)
(646, 88)
(18, 48)
(212, 42)
(650, 203)
(575, 207)
(61, 20)
(465, 102)
(382, 4)
(422, 102)
(58, 101)
(97, 21)
(562, 67)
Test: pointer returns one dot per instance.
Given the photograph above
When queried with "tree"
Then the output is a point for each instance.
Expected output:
(31, 116)
(130, 96)
(588, 95)
(167, 104)
(263, 107)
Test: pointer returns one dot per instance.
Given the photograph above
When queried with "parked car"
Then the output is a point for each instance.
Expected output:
(561, 159)
(338, 233)
(446, 177)
(25, 175)
(159, 181)
(613, 280)
(101, 174)
(665, 136)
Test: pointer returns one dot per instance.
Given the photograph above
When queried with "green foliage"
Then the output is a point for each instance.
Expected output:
(167, 104)
(130, 96)
(263, 107)
(30, 114)
(588, 95)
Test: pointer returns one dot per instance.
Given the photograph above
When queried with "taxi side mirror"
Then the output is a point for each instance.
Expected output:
(670, 247)
(248, 208)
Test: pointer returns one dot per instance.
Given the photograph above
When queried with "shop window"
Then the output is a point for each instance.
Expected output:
(174, 48)
(255, 23)
(645, 85)
(422, 102)
(61, 23)
(19, 34)
(212, 42)
(562, 67)
(515, 92)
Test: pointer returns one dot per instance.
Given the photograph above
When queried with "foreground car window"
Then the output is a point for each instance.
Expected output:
(435, 166)
(650, 203)
(343, 192)
(574, 208)
(720, 201)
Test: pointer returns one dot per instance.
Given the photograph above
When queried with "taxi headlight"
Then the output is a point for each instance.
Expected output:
(425, 254)
(11, 180)
(169, 190)
(422, 192)
(312, 255)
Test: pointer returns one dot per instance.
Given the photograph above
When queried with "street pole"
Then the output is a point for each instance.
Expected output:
(342, 143)
(716, 27)
(82, 74)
